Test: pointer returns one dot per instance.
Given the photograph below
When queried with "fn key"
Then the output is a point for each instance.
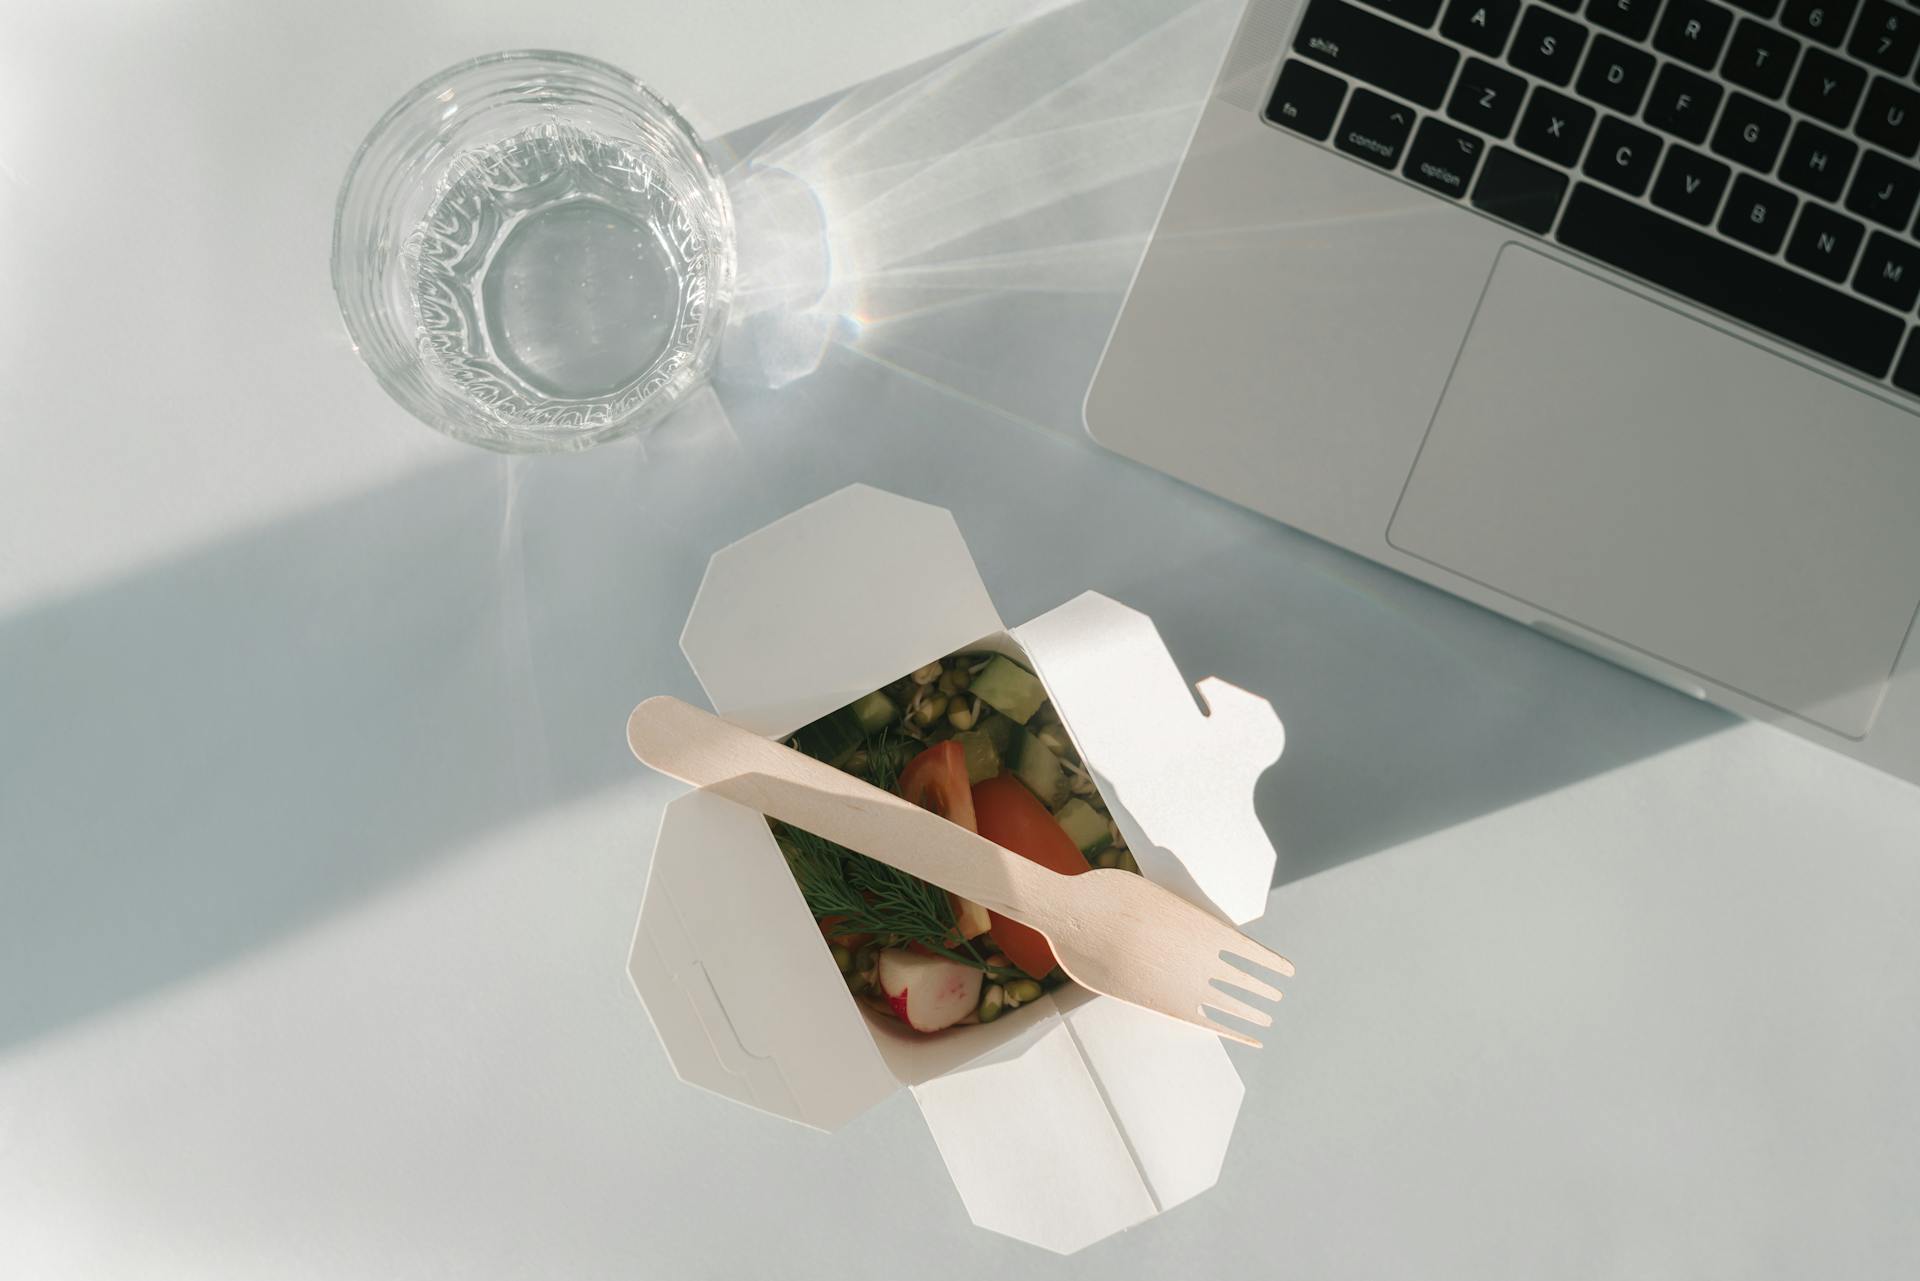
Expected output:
(1307, 100)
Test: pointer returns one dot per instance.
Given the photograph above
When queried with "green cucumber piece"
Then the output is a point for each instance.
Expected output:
(833, 738)
(983, 758)
(1085, 825)
(1000, 732)
(874, 712)
(1011, 688)
(1040, 770)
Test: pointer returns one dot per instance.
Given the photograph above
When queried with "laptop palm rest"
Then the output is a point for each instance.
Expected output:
(1676, 489)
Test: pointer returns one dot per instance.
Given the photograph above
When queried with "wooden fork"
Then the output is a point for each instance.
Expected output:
(1114, 932)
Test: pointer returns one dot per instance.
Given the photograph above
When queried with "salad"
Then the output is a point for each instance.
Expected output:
(973, 738)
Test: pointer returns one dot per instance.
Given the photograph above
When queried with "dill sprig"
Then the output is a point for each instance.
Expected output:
(868, 897)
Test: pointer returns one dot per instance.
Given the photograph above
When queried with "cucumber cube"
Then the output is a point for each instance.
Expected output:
(1086, 825)
(1010, 688)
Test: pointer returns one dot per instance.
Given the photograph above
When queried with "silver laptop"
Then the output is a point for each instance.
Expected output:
(1598, 313)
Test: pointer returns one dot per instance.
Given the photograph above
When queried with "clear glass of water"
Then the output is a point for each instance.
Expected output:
(533, 253)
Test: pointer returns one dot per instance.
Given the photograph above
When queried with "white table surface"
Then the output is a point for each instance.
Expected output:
(320, 851)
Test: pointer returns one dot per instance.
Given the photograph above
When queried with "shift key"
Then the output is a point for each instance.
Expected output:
(1386, 55)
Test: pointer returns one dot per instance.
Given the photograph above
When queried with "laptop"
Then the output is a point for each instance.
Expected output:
(1598, 313)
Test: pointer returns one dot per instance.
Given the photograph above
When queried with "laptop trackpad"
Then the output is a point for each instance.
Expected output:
(1680, 490)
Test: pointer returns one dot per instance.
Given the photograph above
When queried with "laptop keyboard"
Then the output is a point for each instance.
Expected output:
(1755, 157)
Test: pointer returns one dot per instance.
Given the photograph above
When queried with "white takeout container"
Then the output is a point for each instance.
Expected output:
(1061, 1122)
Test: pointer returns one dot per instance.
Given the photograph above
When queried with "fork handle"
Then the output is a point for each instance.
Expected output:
(698, 747)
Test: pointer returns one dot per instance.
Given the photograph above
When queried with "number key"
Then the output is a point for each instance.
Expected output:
(1822, 20)
(1886, 36)
(1486, 97)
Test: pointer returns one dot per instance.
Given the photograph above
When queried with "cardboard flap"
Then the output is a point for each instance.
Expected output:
(1171, 1088)
(1179, 781)
(1030, 1143)
(810, 613)
(1095, 1120)
(741, 989)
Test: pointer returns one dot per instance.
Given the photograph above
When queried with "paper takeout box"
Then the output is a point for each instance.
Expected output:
(1071, 1117)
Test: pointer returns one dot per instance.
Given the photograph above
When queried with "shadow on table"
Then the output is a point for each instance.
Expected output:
(243, 740)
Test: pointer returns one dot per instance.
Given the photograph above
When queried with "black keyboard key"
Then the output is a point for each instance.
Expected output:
(1616, 75)
(1443, 158)
(1374, 128)
(1760, 58)
(1622, 155)
(1757, 213)
(1758, 8)
(1482, 25)
(1682, 103)
(1827, 88)
(1690, 184)
(1486, 97)
(1547, 45)
(1824, 242)
(1822, 20)
(1883, 190)
(1382, 53)
(1886, 36)
(1889, 271)
(1906, 374)
(1555, 126)
(1750, 132)
(1420, 13)
(1817, 161)
(1571, 6)
(1700, 266)
(1631, 18)
(1307, 100)
(1693, 31)
(1519, 190)
(1891, 117)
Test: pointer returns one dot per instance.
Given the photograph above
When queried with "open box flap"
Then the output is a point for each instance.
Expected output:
(823, 606)
(741, 989)
(1031, 1145)
(1096, 1119)
(1179, 781)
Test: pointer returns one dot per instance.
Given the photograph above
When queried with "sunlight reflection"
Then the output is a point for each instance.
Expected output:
(940, 186)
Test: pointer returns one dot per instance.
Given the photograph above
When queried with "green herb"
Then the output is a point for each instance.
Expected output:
(868, 897)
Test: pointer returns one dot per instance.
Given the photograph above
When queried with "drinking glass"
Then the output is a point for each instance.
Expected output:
(532, 252)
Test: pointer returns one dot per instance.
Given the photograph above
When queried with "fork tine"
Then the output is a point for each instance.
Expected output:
(1221, 1029)
(1239, 1009)
(1246, 982)
(1248, 950)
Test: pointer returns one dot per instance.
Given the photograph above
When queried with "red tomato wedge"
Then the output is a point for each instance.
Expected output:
(1009, 815)
(936, 780)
